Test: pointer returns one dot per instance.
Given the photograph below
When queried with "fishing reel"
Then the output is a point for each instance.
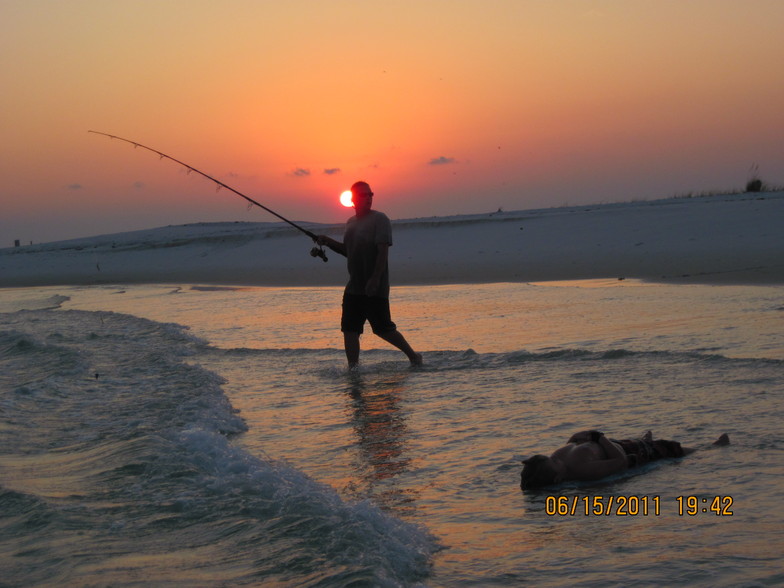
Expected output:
(318, 251)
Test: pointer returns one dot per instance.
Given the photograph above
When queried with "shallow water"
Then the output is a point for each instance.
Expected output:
(125, 460)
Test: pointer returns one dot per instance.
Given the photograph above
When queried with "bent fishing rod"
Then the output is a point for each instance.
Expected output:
(315, 252)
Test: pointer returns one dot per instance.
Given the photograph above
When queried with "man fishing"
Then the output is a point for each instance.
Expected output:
(589, 455)
(366, 243)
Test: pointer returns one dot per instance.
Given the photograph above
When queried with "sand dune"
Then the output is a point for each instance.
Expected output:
(732, 239)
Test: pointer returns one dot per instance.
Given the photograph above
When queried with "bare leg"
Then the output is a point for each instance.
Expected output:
(351, 343)
(723, 440)
(396, 338)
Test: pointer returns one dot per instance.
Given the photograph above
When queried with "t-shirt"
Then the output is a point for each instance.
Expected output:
(361, 239)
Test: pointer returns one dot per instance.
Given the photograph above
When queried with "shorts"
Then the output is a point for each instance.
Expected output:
(357, 309)
(639, 452)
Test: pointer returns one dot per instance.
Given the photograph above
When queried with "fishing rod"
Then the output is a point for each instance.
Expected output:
(315, 252)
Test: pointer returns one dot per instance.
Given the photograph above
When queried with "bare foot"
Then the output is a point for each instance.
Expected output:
(416, 359)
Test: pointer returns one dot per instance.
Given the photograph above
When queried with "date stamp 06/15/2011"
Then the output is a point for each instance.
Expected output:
(631, 506)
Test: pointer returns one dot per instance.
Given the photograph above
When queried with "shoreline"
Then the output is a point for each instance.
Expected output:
(707, 240)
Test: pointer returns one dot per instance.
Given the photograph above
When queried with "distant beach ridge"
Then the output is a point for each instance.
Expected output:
(711, 239)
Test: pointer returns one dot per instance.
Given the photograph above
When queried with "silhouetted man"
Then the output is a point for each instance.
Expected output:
(366, 243)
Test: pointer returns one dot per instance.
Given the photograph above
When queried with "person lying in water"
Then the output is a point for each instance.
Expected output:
(589, 455)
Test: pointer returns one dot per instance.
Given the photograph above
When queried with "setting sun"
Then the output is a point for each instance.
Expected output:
(345, 199)
(601, 107)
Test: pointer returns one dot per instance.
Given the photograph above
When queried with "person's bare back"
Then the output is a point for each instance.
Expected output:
(590, 455)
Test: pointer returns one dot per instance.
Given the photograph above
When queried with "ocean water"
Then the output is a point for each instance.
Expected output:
(181, 435)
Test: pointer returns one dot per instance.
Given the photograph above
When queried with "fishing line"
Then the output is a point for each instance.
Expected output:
(315, 252)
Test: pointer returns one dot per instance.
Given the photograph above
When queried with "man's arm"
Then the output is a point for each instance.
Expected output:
(615, 462)
(585, 436)
(336, 246)
(581, 437)
(382, 257)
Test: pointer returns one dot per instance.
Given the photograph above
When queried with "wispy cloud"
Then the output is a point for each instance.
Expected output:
(300, 172)
(138, 185)
(442, 161)
(332, 171)
(74, 187)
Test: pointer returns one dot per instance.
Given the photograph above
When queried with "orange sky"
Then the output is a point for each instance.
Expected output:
(445, 107)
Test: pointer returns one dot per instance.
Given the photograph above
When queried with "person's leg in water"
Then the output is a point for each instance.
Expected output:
(358, 309)
(722, 441)
(646, 449)
(397, 339)
(378, 315)
(351, 344)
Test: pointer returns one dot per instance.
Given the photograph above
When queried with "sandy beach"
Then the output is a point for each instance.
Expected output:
(711, 239)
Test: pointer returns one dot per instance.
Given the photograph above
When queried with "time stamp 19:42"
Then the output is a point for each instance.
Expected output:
(631, 506)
